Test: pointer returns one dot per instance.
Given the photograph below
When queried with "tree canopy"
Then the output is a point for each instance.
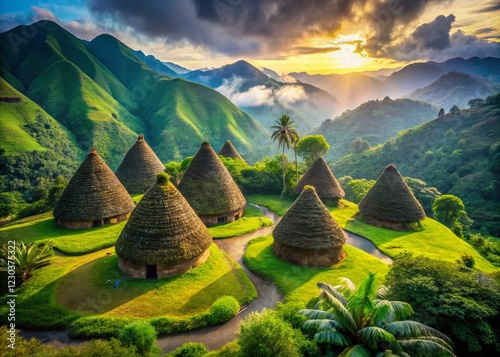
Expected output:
(310, 147)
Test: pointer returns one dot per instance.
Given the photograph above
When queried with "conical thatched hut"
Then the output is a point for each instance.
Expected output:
(307, 234)
(209, 188)
(163, 236)
(321, 177)
(93, 197)
(138, 169)
(390, 202)
(228, 150)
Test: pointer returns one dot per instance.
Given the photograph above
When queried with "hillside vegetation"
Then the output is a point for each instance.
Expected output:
(105, 96)
(374, 121)
(456, 153)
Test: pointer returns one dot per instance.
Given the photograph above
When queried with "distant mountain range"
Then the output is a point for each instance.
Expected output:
(105, 94)
(353, 89)
(456, 153)
(266, 98)
(455, 88)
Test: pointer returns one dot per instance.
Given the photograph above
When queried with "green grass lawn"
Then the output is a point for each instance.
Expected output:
(72, 287)
(297, 283)
(252, 220)
(434, 240)
(75, 242)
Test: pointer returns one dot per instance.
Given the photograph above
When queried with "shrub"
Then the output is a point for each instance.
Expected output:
(265, 334)
(190, 349)
(223, 310)
(98, 326)
(289, 313)
(139, 334)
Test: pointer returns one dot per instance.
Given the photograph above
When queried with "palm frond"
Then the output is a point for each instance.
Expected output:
(320, 325)
(317, 314)
(412, 329)
(355, 351)
(387, 311)
(333, 291)
(361, 302)
(372, 335)
(420, 347)
(331, 337)
(342, 315)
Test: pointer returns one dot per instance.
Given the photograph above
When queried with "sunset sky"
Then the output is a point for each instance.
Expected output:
(317, 36)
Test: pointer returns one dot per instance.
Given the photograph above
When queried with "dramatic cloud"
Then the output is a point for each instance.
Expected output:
(432, 41)
(490, 7)
(290, 94)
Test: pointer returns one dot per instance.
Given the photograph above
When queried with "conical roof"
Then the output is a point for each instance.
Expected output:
(321, 177)
(163, 228)
(390, 199)
(138, 169)
(228, 150)
(208, 186)
(309, 225)
(94, 193)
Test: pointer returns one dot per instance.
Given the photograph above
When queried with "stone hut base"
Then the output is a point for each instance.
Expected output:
(223, 218)
(396, 226)
(308, 257)
(91, 224)
(159, 271)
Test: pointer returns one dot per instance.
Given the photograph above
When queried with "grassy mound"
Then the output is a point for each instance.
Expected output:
(252, 220)
(75, 288)
(298, 283)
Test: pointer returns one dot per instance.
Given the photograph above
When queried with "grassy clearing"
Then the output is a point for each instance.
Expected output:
(252, 220)
(68, 241)
(298, 284)
(73, 287)
(434, 240)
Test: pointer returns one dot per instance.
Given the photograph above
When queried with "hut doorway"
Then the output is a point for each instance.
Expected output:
(221, 220)
(151, 272)
(97, 223)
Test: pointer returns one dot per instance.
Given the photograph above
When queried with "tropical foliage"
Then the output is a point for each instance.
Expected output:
(458, 301)
(448, 210)
(310, 147)
(354, 323)
(27, 257)
(285, 132)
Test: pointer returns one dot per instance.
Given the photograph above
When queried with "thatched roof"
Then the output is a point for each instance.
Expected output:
(138, 169)
(228, 150)
(208, 186)
(309, 225)
(321, 177)
(94, 193)
(163, 228)
(390, 199)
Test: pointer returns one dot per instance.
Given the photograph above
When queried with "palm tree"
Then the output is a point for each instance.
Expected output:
(296, 139)
(358, 325)
(27, 257)
(285, 132)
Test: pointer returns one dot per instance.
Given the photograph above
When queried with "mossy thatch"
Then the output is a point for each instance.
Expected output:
(321, 177)
(307, 233)
(228, 150)
(390, 199)
(138, 169)
(93, 193)
(163, 229)
(208, 186)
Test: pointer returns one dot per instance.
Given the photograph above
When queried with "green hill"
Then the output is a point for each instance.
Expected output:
(105, 95)
(33, 145)
(374, 121)
(184, 114)
(456, 153)
(89, 112)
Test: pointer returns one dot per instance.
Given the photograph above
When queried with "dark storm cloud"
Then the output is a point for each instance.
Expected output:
(229, 26)
(490, 7)
(434, 35)
(484, 30)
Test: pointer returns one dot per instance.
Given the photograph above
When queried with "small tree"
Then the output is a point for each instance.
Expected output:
(475, 102)
(441, 112)
(265, 334)
(310, 147)
(28, 257)
(359, 145)
(141, 335)
(449, 209)
(455, 109)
